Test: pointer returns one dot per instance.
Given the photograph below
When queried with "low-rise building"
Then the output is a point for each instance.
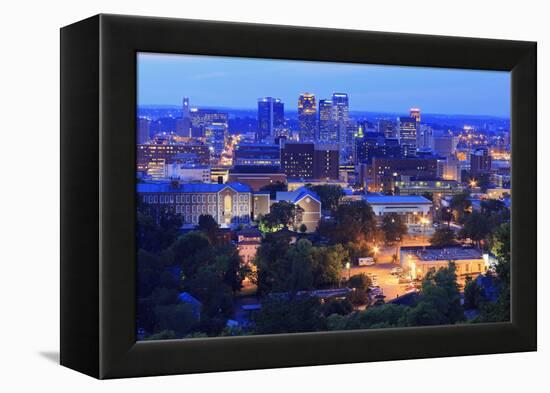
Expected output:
(414, 210)
(418, 260)
(309, 203)
(228, 203)
(248, 242)
(256, 176)
(187, 172)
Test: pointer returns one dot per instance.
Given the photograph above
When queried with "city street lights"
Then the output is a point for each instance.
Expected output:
(348, 266)
(375, 250)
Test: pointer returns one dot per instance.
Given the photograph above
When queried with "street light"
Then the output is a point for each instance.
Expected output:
(348, 266)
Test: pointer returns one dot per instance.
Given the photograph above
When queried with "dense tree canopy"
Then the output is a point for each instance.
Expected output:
(351, 222)
(393, 227)
(442, 237)
(330, 195)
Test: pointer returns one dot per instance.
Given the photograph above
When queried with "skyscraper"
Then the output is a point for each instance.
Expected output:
(407, 135)
(307, 119)
(326, 125)
(387, 127)
(415, 114)
(340, 117)
(271, 116)
(480, 161)
(143, 130)
(183, 124)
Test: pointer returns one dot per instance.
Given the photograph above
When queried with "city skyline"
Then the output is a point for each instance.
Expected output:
(212, 81)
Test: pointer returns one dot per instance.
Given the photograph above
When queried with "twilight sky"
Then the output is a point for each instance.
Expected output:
(239, 82)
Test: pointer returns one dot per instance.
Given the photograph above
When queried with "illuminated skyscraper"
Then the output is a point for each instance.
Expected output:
(183, 124)
(415, 114)
(340, 117)
(326, 125)
(271, 116)
(307, 119)
(407, 135)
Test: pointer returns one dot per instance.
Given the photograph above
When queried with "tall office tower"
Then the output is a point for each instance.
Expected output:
(407, 135)
(142, 130)
(387, 127)
(424, 136)
(444, 145)
(326, 125)
(415, 114)
(340, 117)
(201, 118)
(183, 124)
(271, 117)
(480, 161)
(215, 134)
(310, 160)
(307, 119)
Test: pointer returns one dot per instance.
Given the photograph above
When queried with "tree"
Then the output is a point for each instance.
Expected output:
(330, 195)
(156, 235)
(351, 222)
(303, 228)
(360, 281)
(340, 307)
(442, 237)
(282, 215)
(472, 295)
(284, 315)
(393, 227)
(209, 226)
(460, 204)
(272, 188)
(476, 227)
(327, 265)
(439, 300)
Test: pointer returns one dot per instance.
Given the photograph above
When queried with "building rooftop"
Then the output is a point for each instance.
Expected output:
(157, 187)
(432, 253)
(296, 195)
(398, 199)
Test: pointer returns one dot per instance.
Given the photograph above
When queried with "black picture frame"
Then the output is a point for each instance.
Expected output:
(98, 204)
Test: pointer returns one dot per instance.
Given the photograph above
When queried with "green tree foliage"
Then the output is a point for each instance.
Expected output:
(442, 237)
(209, 227)
(177, 317)
(499, 311)
(359, 281)
(393, 227)
(155, 236)
(330, 195)
(289, 315)
(472, 295)
(460, 205)
(284, 267)
(385, 316)
(439, 300)
(273, 188)
(476, 227)
(351, 222)
(282, 214)
(340, 307)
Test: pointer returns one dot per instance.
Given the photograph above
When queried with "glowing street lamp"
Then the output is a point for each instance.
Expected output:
(473, 183)
(348, 266)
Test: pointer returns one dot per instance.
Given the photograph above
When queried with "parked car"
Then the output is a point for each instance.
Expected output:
(366, 261)
(396, 270)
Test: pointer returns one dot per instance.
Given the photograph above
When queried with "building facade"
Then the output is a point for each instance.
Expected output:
(307, 117)
(310, 161)
(271, 116)
(229, 204)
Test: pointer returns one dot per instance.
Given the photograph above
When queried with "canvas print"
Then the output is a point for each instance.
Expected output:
(284, 196)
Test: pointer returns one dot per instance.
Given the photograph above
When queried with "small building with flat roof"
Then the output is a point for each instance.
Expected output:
(415, 210)
(418, 260)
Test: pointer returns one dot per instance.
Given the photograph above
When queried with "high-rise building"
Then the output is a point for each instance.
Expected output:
(424, 135)
(142, 130)
(310, 160)
(480, 161)
(386, 171)
(415, 114)
(307, 117)
(444, 145)
(340, 117)
(202, 118)
(387, 127)
(271, 116)
(326, 125)
(183, 124)
(215, 134)
(407, 135)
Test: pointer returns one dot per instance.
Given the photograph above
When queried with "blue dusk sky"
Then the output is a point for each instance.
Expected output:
(238, 83)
